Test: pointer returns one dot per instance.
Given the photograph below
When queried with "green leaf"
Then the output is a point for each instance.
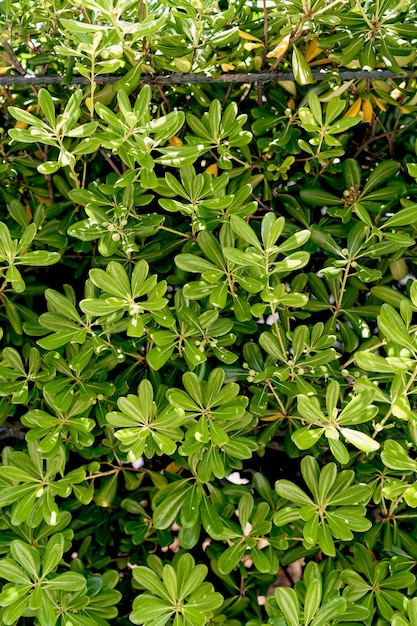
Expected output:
(26, 117)
(412, 169)
(157, 611)
(190, 511)
(190, 576)
(114, 280)
(330, 611)
(393, 327)
(359, 409)
(26, 556)
(230, 558)
(260, 560)
(169, 502)
(244, 231)
(47, 105)
(288, 490)
(395, 457)
(15, 610)
(288, 603)
(402, 218)
(286, 516)
(68, 581)
(211, 519)
(312, 599)
(384, 171)
(53, 553)
(179, 157)
(11, 571)
(245, 508)
(325, 241)
(194, 263)
(48, 167)
(309, 408)
(300, 67)
(306, 437)
(325, 540)
(62, 305)
(372, 362)
(39, 258)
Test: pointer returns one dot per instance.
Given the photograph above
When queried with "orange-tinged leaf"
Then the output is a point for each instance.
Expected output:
(46, 201)
(280, 49)
(213, 169)
(312, 50)
(21, 124)
(379, 103)
(28, 213)
(173, 468)
(353, 111)
(175, 141)
(368, 111)
(247, 36)
(272, 418)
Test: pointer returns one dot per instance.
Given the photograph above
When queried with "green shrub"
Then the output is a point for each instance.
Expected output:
(208, 350)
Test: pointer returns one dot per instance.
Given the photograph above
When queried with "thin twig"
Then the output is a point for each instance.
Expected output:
(164, 98)
(12, 58)
(385, 135)
(110, 162)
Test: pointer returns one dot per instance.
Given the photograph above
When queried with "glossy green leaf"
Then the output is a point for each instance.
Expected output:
(301, 69)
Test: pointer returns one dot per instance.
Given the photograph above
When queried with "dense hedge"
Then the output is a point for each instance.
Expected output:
(208, 353)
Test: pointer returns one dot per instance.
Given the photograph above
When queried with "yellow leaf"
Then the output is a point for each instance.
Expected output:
(396, 94)
(227, 67)
(399, 269)
(175, 141)
(213, 169)
(288, 85)
(368, 111)
(280, 49)
(312, 50)
(5, 69)
(89, 104)
(291, 104)
(34, 107)
(354, 109)
(251, 46)
(183, 64)
(247, 36)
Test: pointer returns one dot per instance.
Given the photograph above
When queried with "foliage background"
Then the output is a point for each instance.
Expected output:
(201, 278)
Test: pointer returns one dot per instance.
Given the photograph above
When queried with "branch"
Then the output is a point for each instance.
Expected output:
(177, 78)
